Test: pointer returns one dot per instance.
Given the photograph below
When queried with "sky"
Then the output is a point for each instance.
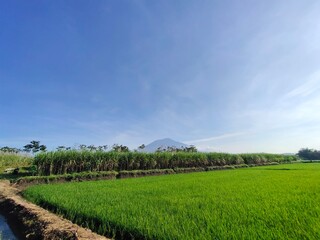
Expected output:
(227, 76)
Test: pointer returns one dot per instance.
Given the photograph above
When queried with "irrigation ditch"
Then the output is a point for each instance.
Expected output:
(7, 232)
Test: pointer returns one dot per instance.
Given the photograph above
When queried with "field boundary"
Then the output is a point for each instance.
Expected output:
(24, 182)
(37, 223)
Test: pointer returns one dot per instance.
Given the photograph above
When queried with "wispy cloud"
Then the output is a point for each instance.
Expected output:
(250, 84)
(310, 86)
(223, 136)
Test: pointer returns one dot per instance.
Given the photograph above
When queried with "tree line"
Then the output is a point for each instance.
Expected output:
(35, 146)
(309, 154)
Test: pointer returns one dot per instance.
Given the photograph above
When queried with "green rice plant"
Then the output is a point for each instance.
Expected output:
(269, 202)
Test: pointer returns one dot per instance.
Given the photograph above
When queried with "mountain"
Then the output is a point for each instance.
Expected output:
(163, 144)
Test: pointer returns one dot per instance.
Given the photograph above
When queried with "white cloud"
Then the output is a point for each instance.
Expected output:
(310, 86)
(223, 136)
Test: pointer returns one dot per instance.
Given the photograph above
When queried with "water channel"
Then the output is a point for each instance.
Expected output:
(6, 232)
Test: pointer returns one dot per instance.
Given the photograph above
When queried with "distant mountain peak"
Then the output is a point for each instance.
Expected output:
(163, 144)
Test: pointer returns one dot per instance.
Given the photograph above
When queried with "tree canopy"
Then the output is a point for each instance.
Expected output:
(309, 154)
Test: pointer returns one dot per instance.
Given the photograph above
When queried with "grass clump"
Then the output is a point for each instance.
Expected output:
(14, 160)
(21, 162)
(143, 173)
(67, 177)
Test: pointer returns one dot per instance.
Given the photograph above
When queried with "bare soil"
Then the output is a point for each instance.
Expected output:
(35, 222)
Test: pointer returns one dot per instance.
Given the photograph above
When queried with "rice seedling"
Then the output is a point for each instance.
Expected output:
(268, 202)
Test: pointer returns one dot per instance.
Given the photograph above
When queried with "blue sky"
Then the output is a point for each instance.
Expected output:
(231, 76)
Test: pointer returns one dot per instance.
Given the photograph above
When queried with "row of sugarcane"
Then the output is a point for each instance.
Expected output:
(71, 161)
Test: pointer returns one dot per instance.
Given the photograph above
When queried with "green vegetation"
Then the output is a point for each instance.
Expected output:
(309, 154)
(269, 202)
(122, 174)
(66, 177)
(34, 146)
(14, 160)
(15, 165)
(62, 162)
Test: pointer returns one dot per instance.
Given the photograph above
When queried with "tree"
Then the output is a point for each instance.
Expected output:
(160, 149)
(119, 148)
(191, 148)
(9, 149)
(101, 148)
(141, 147)
(174, 149)
(83, 147)
(91, 148)
(61, 148)
(309, 154)
(43, 148)
(34, 146)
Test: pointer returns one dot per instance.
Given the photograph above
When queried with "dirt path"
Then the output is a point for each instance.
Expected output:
(36, 222)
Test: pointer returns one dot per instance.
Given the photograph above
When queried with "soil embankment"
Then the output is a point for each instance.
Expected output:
(36, 222)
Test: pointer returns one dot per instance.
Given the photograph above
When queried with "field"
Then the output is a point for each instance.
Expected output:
(13, 160)
(270, 202)
(71, 161)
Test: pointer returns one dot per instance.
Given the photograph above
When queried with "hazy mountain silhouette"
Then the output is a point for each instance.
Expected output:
(163, 144)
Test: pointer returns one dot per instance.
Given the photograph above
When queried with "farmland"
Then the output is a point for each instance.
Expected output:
(269, 202)
(62, 162)
(13, 160)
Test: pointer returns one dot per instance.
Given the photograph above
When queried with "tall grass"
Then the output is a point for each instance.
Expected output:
(62, 162)
(14, 160)
(274, 202)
